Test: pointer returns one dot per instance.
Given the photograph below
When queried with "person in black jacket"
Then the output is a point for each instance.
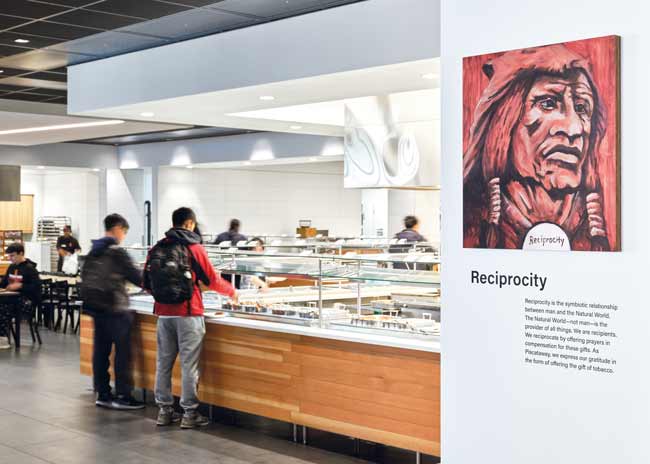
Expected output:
(232, 235)
(106, 271)
(22, 275)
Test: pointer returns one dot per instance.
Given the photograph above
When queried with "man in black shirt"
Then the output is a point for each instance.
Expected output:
(66, 244)
(22, 275)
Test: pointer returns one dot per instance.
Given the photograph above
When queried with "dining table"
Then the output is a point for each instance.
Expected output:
(11, 300)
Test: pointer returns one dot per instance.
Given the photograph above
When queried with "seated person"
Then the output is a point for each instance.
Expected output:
(22, 275)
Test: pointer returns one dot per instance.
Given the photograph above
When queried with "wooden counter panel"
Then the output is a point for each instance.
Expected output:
(382, 394)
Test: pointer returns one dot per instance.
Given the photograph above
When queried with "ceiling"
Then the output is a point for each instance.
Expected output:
(40, 38)
(167, 136)
(18, 116)
(313, 105)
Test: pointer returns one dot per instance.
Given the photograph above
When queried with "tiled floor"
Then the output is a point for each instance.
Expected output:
(47, 415)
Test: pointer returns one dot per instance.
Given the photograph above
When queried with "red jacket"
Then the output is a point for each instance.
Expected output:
(209, 278)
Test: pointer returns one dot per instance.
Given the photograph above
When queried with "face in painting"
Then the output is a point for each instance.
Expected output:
(551, 141)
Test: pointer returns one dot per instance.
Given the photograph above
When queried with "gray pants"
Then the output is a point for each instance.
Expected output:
(179, 336)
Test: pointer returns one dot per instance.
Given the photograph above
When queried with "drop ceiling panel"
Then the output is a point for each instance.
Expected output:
(7, 50)
(47, 76)
(95, 19)
(273, 8)
(30, 82)
(32, 10)
(42, 59)
(73, 3)
(145, 9)
(10, 21)
(6, 72)
(8, 38)
(106, 44)
(59, 31)
(191, 23)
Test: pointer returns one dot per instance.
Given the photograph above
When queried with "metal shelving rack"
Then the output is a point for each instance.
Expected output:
(48, 229)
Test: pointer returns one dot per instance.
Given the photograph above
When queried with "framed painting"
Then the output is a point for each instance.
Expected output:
(541, 147)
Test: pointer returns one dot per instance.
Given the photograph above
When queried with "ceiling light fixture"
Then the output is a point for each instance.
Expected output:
(295, 127)
(189, 166)
(313, 158)
(96, 170)
(428, 76)
(80, 125)
(267, 98)
(247, 163)
(1, 71)
(40, 167)
(147, 114)
(21, 41)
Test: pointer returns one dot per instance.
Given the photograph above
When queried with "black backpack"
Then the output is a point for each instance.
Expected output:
(168, 275)
(101, 284)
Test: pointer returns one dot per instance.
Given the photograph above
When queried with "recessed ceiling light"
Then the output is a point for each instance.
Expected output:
(21, 41)
(109, 122)
(295, 127)
(189, 166)
(429, 76)
(40, 167)
(247, 163)
(313, 158)
(1, 71)
(96, 170)
(267, 97)
(147, 114)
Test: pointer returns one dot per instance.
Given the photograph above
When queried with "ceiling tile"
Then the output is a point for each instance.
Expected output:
(10, 21)
(40, 60)
(146, 9)
(107, 44)
(196, 3)
(10, 88)
(8, 38)
(27, 82)
(95, 19)
(63, 100)
(60, 31)
(47, 76)
(7, 50)
(26, 96)
(50, 92)
(26, 9)
(191, 23)
(63, 70)
(6, 72)
(73, 3)
(268, 8)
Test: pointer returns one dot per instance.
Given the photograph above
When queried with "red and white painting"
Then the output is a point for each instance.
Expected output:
(541, 140)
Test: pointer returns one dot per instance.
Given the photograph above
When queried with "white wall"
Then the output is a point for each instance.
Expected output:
(269, 199)
(66, 193)
(424, 204)
(125, 194)
(494, 407)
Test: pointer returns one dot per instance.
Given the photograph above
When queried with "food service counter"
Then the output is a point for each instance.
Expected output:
(378, 388)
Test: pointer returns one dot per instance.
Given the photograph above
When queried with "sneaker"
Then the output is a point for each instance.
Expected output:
(192, 420)
(104, 401)
(126, 403)
(167, 416)
(5, 346)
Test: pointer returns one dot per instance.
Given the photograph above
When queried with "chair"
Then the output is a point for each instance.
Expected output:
(46, 306)
(29, 314)
(61, 301)
(75, 304)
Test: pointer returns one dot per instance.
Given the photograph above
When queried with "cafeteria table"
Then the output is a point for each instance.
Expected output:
(8, 298)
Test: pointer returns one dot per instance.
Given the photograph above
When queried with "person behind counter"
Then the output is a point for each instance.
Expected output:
(103, 290)
(256, 244)
(232, 235)
(410, 234)
(22, 277)
(66, 244)
(176, 271)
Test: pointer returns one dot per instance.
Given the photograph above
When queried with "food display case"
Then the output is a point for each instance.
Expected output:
(386, 294)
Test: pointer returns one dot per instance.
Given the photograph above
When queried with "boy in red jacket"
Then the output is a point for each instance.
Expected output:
(181, 326)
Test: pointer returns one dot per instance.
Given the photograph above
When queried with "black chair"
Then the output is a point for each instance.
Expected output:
(29, 314)
(61, 301)
(46, 306)
(75, 304)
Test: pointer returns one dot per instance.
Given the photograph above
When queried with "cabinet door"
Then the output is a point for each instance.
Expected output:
(18, 215)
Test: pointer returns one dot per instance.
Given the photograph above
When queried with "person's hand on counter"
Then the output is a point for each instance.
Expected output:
(14, 287)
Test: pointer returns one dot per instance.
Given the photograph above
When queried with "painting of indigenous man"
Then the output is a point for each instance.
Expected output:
(541, 156)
